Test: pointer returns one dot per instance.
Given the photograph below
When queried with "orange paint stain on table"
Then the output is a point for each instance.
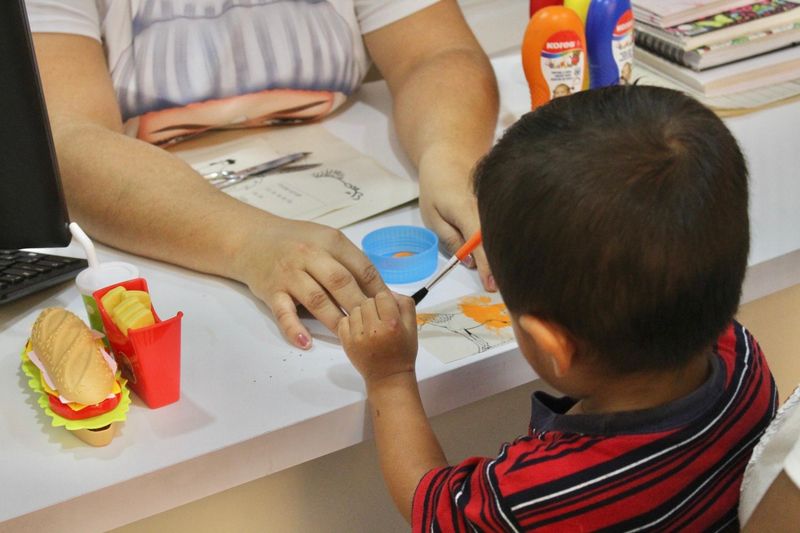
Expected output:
(493, 316)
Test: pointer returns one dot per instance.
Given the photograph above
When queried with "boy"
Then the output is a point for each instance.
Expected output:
(615, 224)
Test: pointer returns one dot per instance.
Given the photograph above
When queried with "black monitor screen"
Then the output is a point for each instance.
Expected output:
(32, 209)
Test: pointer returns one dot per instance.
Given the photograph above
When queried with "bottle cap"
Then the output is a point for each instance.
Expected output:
(402, 254)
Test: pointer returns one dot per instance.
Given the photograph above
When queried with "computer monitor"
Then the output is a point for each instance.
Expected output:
(33, 213)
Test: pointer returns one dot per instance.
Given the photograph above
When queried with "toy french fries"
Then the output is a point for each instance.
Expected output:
(128, 309)
(147, 348)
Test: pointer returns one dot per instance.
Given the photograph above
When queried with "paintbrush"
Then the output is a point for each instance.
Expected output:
(460, 255)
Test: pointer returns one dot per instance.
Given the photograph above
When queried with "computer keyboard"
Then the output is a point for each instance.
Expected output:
(23, 273)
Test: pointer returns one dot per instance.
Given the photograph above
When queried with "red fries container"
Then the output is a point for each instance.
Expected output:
(149, 357)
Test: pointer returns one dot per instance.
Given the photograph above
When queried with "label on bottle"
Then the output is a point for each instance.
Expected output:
(563, 60)
(622, 47)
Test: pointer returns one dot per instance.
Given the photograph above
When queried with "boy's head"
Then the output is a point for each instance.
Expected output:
(620, 215)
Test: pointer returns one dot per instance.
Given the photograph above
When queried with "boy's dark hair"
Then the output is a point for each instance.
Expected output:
(620, 214)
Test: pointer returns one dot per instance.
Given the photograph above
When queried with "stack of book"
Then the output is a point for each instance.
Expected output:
(720, 46)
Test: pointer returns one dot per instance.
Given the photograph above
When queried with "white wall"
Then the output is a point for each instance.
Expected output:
(498, 24)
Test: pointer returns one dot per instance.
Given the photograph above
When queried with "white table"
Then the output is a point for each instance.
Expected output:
(251, 404)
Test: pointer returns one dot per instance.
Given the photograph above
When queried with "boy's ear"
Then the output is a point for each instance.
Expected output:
(553, 340)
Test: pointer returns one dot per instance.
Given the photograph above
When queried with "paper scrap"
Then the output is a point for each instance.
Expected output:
(346, 187)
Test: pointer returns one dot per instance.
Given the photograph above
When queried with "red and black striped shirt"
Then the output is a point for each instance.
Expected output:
(675, 467)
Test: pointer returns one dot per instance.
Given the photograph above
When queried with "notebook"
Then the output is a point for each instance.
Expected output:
(753, 73)
(723, 26)
(723, 52)
(666, 13)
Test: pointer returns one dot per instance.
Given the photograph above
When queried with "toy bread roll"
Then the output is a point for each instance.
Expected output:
(69, 353)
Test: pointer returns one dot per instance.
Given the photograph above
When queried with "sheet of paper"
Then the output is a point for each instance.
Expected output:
(467, 326)
(295, 195)
(346, 187)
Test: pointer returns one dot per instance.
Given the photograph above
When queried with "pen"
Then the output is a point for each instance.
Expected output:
(460, 254)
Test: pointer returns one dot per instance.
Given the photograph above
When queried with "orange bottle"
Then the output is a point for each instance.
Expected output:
(554, 54)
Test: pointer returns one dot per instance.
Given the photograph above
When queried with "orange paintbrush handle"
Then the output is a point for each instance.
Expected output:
(468, 246)
(460, 254)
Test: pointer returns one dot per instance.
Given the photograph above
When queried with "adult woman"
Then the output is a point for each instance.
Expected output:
(114, 67)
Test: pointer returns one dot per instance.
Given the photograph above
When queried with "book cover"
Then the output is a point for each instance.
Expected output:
(726, 25)
(740, 16)
(666, 13)
(727, 51)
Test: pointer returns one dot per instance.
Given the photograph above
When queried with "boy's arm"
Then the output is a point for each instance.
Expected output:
(407, 447)
(380, 338)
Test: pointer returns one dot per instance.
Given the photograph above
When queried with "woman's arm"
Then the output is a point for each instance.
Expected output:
(445, 111)
(142, 199)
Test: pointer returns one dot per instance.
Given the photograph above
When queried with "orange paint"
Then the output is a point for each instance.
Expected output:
(424, 318)
(481, 310)
(402, 254)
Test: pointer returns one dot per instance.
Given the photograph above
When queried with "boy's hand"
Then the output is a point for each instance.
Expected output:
(380, 336)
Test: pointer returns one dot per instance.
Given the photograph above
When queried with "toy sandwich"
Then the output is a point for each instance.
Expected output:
(77, 380)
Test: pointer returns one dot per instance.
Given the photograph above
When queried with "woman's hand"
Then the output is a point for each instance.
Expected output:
(287, 263)
(448, 206)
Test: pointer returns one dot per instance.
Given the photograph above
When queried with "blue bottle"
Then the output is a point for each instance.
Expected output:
(609, 40)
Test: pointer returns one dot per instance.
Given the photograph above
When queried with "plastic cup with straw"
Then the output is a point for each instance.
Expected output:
(97, 276)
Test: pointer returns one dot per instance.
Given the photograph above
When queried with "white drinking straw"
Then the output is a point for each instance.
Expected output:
(86, 242)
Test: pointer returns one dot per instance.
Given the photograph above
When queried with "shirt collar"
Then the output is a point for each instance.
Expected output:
(548, 412)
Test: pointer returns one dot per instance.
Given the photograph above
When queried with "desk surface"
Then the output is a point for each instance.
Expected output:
(250, 403)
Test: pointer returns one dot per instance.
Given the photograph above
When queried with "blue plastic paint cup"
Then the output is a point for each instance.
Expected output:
(402, 254)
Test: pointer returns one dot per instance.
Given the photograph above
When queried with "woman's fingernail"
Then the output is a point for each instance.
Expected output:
(303, 341)
(469, 261)
(490, 284)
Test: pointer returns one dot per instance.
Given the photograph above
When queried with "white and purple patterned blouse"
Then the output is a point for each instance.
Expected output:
(184, 66)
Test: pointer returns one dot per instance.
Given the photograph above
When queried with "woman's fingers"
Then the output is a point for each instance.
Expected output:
(313, 266)
(362, 269)
(316, 300)
(337, 281)
(483, 269)
(467, 225)
(285, 313)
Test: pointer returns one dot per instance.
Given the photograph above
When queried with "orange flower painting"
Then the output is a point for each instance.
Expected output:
(481, 309)
(467, 326)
